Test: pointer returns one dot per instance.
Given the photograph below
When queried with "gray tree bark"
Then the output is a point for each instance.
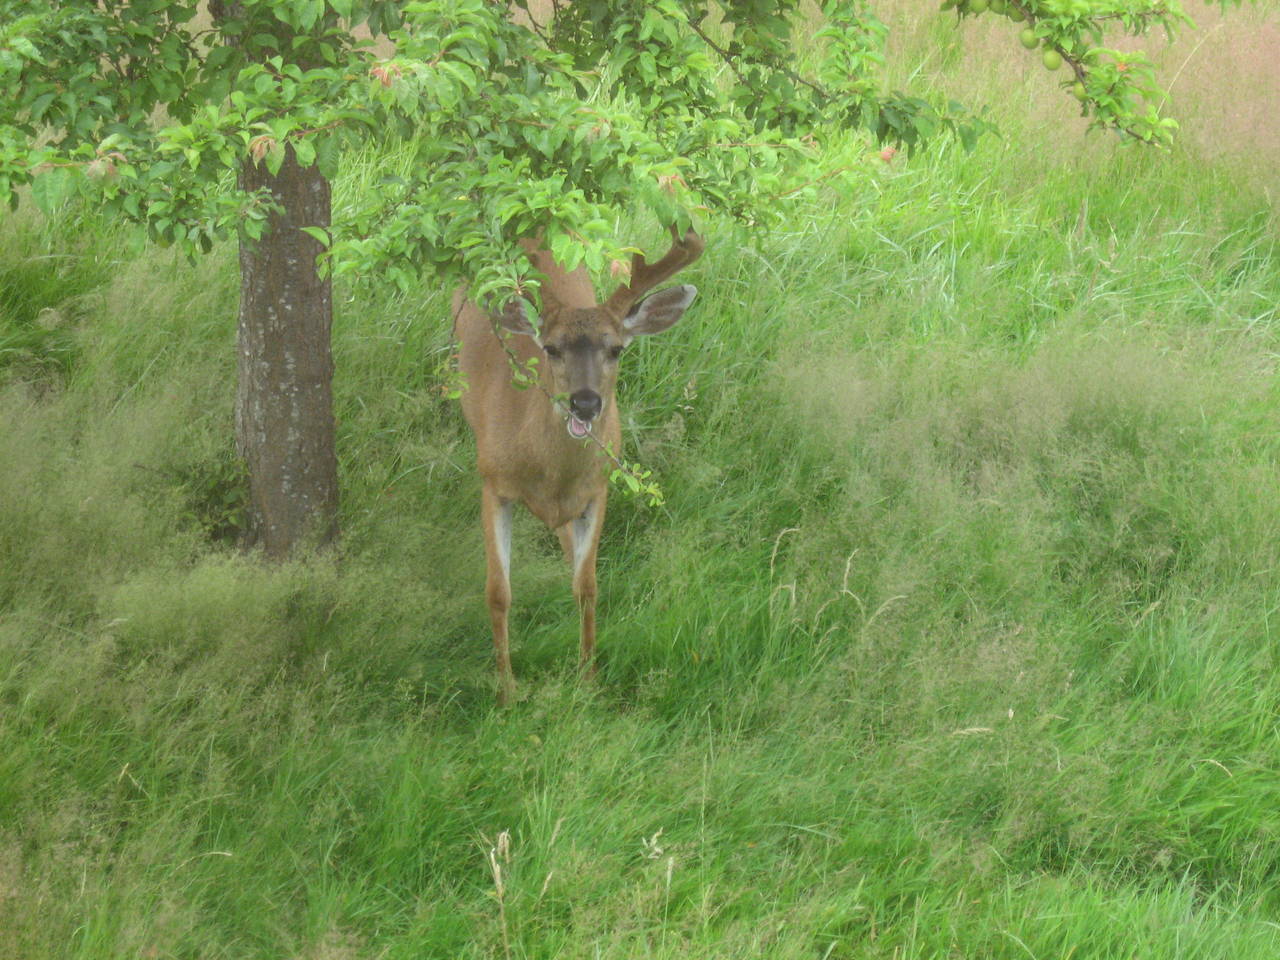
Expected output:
(284, 398)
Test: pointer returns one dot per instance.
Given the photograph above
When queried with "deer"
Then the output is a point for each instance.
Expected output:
(548, 446)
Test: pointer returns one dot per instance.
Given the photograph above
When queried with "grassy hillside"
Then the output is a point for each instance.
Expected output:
(954, 639)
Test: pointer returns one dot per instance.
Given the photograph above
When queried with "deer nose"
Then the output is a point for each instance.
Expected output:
(585, 404)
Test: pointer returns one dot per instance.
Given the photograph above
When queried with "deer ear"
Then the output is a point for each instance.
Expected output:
(514, 316)
(658, 311)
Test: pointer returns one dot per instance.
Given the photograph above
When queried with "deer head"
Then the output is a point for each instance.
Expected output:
(582, 345)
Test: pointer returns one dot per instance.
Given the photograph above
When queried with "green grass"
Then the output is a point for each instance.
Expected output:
(954, 639)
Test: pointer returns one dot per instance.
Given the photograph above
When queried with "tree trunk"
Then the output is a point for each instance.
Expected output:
(284, 400)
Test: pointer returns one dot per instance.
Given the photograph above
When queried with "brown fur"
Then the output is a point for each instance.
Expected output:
(523, 449)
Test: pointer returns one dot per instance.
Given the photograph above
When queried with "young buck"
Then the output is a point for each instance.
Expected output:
(543, 445)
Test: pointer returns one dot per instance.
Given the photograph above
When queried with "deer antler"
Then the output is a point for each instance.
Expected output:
(645, 276)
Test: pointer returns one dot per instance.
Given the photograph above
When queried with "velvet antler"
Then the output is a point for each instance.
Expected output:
(645, 276)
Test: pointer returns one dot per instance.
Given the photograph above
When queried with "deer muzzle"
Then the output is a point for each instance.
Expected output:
(584, 407)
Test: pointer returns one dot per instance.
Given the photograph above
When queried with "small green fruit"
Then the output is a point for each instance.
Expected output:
(1079, 92)
(978, 6)
(1052, 59)
(1015, 14)
(1029, 38)
(998, 6)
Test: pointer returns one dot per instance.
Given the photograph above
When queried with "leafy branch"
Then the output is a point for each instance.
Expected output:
(1118, 89)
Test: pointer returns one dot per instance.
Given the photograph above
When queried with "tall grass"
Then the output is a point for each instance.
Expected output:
(954, 638)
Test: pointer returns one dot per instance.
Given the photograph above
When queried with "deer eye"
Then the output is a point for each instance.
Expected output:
(553, 353)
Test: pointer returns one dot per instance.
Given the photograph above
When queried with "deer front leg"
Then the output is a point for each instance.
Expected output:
(496, 516)
(584, 535)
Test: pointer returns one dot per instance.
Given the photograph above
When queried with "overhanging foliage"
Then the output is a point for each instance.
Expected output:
(520, 120)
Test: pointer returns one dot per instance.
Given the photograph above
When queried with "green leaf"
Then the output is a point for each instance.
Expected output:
(319, 234)
(51, 187)
(305, 152)
(275, 158)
